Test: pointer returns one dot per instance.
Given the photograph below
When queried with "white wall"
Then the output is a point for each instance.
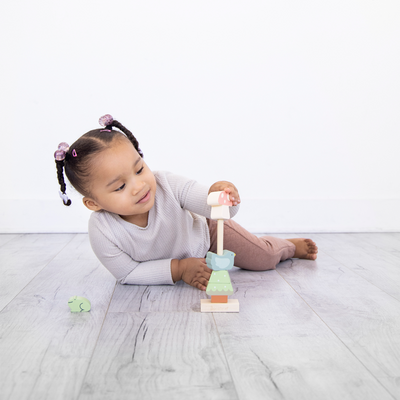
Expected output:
(301, 100)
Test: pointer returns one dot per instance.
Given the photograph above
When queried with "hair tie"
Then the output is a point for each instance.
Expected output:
(106, 120)
(61, 152)
(64, 198)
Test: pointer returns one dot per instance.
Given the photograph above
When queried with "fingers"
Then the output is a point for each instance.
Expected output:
(205, 267)
(233, 196)
(201, 286)
(203, 276)
(229, 188)
(197, 273)
(200, 282)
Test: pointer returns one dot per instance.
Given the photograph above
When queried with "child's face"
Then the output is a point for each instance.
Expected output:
(121, 182)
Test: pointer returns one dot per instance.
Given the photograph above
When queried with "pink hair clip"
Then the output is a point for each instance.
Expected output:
(60, 153)
(74, 153)
(106, 120)
(63, 146)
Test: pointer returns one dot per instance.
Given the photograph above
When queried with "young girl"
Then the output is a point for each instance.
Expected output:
(153, 228)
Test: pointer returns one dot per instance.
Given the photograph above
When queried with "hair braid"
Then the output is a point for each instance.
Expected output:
(78, 164)
(60, 176)
(128, 134)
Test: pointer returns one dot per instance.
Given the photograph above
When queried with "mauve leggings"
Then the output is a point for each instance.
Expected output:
(252, 252)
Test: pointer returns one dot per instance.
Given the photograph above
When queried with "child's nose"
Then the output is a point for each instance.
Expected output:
(137, 187)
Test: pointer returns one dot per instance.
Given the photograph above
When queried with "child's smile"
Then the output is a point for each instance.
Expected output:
(145, 198)
(122, 183)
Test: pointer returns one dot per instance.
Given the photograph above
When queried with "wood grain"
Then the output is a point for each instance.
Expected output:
(158, 356)
(4, 238)
(366, 319)
(375, 264)
(163, 298)
(45, 349)
(328, 329)
(21, 260)
(277, 348)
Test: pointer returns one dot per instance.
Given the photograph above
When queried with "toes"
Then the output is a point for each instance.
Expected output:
(312, 247)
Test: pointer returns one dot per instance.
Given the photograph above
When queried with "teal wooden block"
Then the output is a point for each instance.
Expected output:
(220, 263)
(79, 304)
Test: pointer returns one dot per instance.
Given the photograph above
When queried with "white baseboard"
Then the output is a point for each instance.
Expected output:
(257, 215)
(42, 216)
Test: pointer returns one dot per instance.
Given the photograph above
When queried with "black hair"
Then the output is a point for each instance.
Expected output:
(77, 162)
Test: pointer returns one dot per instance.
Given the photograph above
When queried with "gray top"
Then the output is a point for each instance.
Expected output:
(176, 228)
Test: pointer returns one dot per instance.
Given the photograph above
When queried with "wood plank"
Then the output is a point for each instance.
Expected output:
(163, 298)
(45, 349)
(377, 266)
(23, 257)
(4, 238)
(278, 348)
(365, 318)
(313, 355)
(389, 241)
(325, 332)
(158, 356)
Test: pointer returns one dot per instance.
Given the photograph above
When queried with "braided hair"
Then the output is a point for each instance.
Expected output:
(78, 158)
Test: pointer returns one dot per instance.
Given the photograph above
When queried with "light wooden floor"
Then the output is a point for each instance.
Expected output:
(309, 330)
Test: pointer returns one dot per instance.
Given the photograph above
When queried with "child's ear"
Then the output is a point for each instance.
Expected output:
(91, 204)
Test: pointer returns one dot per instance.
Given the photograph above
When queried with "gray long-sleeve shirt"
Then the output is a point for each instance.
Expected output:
(176, 229)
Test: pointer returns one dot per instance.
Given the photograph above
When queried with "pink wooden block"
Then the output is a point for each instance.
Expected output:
(219, 199)
(223, 199)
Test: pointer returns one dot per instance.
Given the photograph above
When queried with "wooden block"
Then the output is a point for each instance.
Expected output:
(220, 262)
(219, 199)
(219, 299)
(219, 284)
(220, 212)
(231, 306)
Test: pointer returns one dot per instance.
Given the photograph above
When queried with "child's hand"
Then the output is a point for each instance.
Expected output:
(193, 271)
(229, 188)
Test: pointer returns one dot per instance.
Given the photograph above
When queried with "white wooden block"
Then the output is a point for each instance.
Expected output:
(219, 199)
(220, 212)
(231, 306)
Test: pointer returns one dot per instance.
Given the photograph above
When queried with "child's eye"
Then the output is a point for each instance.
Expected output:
(120, 188)
(140, 170)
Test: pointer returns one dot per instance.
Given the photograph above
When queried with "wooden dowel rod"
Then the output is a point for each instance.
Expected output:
(220, 237)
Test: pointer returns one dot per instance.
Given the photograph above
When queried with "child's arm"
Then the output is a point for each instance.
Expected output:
(192, 195)
(229, 188)
(193, 271)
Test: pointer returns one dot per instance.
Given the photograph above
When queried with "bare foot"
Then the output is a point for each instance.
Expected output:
(305, 248)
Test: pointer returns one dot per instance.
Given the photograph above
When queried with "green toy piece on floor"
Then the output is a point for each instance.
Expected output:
(79, 304)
